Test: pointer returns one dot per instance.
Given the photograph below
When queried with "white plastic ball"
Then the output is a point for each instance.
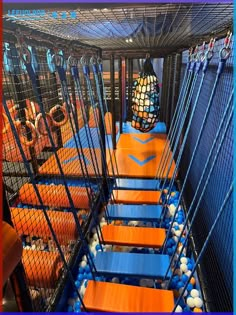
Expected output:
(184, 260)
(83, 264)
(178, 233)
(115, 280)
(194, 293)
(108, 247)
(84, 258)
(33, 247)
(198, 302)
(190, 302)
(103, 219)
(178, 309)
(172, 209)
(82, 290)
(102, 224)
(181, 226)
(188, 273)
(175, 238)
(173, 231)
(184, 267)
(95, 237)
(175, 224)
(133, 223)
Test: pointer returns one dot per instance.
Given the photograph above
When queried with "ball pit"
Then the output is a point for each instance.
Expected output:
(191, 301)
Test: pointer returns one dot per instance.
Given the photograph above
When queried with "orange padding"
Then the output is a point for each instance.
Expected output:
(11, 249)
(32, 222)
(93, 120)
(136, 196)
(42, 269)
(108, 123)
(71, 164)
(133, 236)
(113, 297)
(54, 196)
(141, 163)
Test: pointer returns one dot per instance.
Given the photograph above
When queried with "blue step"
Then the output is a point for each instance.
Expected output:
(159, 128)
(152, 266)
(134, 212)
(137, 184)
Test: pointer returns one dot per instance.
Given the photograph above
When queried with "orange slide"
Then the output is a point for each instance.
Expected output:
(42, 269)
(108, 123)
(32, 222)
(11, 250)
(54, 196)
(113, 297)
(93, 120)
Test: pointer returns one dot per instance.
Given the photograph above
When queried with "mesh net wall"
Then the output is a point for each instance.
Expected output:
(218, 258)
(74, 125)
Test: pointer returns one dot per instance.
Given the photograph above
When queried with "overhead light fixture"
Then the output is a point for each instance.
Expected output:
(131, 40)
(127, 40)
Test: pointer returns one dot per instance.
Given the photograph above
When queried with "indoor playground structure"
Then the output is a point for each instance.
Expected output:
(117, 158)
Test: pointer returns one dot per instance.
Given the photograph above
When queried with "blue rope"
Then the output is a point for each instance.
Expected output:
(219, 72)
(222, 124)
(208, 56)
(171, 155)
(100, 71)
(178, 111)
(205, 244)
(65, 93)
(75, 75)
(86, 74)
(39, 197)
(95, 72)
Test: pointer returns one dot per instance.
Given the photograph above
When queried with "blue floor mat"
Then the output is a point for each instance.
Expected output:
(134, 212)
(131, 264)
(137, 184)
(85, 139)
(160, 128)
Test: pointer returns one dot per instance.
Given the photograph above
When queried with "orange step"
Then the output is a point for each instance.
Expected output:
(133, 236)
(136, 196)
(113, 297)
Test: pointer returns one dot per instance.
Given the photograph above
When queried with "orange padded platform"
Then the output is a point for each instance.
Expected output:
(139, 164)
(133, 236)
(142, 141)
(11, 251)
(43, 269)
(136, 196)
(113, 297)
(71, 164)
(54, 196)
(32, 222)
